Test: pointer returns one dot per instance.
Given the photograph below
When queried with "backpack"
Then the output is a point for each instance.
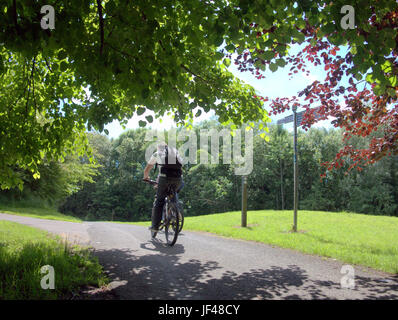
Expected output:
(171, 170)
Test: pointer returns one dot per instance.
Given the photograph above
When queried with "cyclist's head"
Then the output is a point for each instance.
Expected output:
(161, 146)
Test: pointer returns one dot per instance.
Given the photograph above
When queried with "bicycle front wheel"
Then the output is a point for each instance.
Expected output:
(172, 226)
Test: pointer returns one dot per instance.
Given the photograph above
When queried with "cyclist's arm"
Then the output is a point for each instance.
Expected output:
(155, 158)
(147, 169)
(151, 163)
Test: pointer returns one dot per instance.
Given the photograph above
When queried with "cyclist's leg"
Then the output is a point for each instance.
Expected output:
(178, 189)
(176, 183)
(159, 202)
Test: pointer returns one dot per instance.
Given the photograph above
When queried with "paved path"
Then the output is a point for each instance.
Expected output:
(203, 266)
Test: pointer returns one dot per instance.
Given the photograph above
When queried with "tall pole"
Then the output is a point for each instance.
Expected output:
(295, 168)
(244, 201)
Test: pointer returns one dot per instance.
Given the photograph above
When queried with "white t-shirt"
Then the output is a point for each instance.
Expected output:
(160, 156)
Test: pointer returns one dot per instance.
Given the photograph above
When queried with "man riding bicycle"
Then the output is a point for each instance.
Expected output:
(170, 174)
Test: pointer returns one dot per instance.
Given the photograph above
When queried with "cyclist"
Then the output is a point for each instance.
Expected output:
(170, 173)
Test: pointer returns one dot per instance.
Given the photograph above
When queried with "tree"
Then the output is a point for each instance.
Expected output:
(371, 60)
(280, 155)
(58, 180)
(316, 147)
(118, 193)
(110, 60)
(33, 123)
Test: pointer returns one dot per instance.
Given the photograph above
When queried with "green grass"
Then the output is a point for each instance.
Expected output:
(42, 213)
(24, 250)
(353, 238)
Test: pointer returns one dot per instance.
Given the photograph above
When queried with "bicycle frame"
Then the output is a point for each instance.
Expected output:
(167, 222)
(171, 197)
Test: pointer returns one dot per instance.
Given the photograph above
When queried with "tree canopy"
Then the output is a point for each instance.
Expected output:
(360, 91)
(109, 60)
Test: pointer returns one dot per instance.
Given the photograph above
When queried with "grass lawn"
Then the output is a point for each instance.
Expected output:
(353, 238)
(24, 250)
(42, 213)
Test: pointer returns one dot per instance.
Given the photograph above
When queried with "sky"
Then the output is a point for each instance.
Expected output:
(276, 84)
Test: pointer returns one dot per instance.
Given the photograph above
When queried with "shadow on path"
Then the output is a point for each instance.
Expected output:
(162, 273)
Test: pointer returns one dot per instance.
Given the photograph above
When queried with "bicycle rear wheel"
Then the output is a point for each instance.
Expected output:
(181, 218)
(172, 226)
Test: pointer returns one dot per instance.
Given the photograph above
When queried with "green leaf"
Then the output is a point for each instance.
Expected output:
(280, 62)
(329, 28)
(268, 55)
(219, 55)
(140, 110)
(369, 78)
(230, 48)
(377, 90)
(386, 67)
(227, 62)
(218, 41)
(149, 119)
(393, 80)
(358, 76)
(142, 123)
(258, 64)
(299, 37)
(273, 67)
(391, 92)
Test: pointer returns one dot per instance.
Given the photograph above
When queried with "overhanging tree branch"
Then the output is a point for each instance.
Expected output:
(193, 73)
(30, 81)
(33, 82)
(101, 23)
(15, 17)
(25, 87)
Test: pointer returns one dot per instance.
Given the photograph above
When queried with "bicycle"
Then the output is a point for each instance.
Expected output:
(172, 216)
